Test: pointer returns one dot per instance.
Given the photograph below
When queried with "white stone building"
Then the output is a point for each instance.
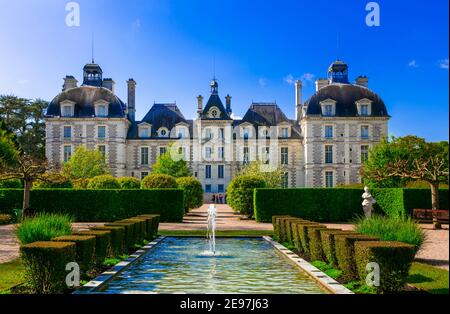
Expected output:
(322, 147)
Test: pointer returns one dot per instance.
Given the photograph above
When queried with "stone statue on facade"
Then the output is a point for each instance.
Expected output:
(368, 202)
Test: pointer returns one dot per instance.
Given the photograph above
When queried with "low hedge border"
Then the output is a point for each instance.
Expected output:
(275, 224)
(152, 225)
(45, 265)
(117, 239)
(288, 223)
(85, 249)
(102, 243)
(129, 233)
(315, 243)
(303, 230)
(345, 253)
(328, 244)
(393, 258)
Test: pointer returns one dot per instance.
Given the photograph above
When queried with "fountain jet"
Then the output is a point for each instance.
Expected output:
(211, 228)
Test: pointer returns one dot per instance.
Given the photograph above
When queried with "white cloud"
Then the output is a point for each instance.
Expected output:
(136, 24)
(23, 82)
(443, 64)
(289, 79)
(234, 117)
(308, 77)
(262, 82)
(413, 64)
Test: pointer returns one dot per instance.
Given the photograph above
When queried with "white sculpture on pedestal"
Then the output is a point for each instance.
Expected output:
(368, 202)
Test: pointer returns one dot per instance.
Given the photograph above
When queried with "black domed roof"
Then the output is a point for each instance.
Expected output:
(346, 96)
(84, 98)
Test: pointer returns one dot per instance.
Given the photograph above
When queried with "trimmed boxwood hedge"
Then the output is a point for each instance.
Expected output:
(394, 259)
(102, 243)
(337, 205)
(315, 243)
(117, 238)
(152, 225)
(276, 229)
(288, 224)
(140, 228)
(99, 205)
(85, 249)
(328, 244)
(345, 253)
(128, 235)
(45, 265)
(303, 235)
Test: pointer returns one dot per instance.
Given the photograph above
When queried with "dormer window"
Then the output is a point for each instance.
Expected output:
(364, 110)
(284, 132)
(265, 133)
(328, 108)
(102, 111)
(364, 107)
(67, 108)
(163, 132)
(66, 111)
(144, 130)
(214, 113)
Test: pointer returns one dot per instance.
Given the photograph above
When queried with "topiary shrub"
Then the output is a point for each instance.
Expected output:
(129, 183)
(303, 236)
(328, 244)
(159, 181)
(51, 180)
(102, 244)
(80, 184)
(152, 225)
(43, 227)
(129, 233)
(116, 239)
(240, 193)
(45, 265)
(193, 192)
(85, 250)
(345, 253)
(399, 229)
(140, 228)
(11, 184)
(315, 243)
(103, 182)
(288, 224)
(394, 259)
(275, 225)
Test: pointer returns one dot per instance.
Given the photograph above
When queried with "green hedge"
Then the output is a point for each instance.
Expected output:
(315, 243)
(45, 265)
(152, 225)
(100, 205)
(337, 205)
(102, 243)
(117, 239)
(394, 259)
(328, 244)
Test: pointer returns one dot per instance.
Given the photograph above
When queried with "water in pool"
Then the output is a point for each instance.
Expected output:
(184, 265)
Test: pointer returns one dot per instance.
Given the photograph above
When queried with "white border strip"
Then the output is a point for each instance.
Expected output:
(323, 279)
(93, 285)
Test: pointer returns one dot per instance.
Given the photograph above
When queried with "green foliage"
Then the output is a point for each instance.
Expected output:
(80, 184)
(129, 183)
(270, 174)
(429, 278)
(117, 234)
(338, 205)
(394, 259)
(345, 253)
(5, 219)
(129, 235)
(100, 205)
(152, 225)
(85, 249)
(303, 235)
(240, 193)
(327, 269)
(193, 192)
(102, 244)
(11, 184)
(159, 181)
(52, 180)
(392, 229)
(8, 151)
(328, 244)
(315, 243)
(45, 265)
(276, 225)
(85, 164)
(103, 182)
(175, 167)
(43, 227)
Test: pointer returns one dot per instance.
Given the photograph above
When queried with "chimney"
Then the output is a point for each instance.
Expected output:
(69, 82)
(228, 103)
(362, 80)
(199, 104)
(131, 99)
(298, 100)
(109, 84)
(320, 83)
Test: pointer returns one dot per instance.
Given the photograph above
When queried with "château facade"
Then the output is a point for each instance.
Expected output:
(323, 146)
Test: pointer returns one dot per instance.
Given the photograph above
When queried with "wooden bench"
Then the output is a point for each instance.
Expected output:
(427, 215)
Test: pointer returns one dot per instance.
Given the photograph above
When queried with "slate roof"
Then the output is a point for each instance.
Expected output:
(346, 96)
(214, 100)
(84, 98)
(264, 114)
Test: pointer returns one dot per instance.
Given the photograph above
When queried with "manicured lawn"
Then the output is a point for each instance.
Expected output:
(219, 233)
(429, 278)
(11, 274)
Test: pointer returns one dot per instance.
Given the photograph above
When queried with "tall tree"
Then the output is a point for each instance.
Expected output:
(172, 163)
(410, 158)
(85, 163)
(270, 174)
(25, 118)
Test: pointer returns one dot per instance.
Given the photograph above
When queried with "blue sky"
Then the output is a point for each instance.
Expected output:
(169, 48)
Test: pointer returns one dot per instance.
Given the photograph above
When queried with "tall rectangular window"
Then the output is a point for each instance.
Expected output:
(328, 110)
(208, 188)
(285, 180)
(265, 155)
(162, 150)
(364, 153)
(221, 133)
(364, 110)
(284, 155)
(328, 131)
(208, 171)
(101, 131)
(66, 111)
(220, 171)
(220, 188)
(329, 179)
(246, 133)
(328, 154)
(208, 152)
(208, 134)
(221, 153)
(67, 153)
(102, 150)
(364, 131)
(67, 132)
(284, 132)
(246, 157)
(102, 111)
(144, 155)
